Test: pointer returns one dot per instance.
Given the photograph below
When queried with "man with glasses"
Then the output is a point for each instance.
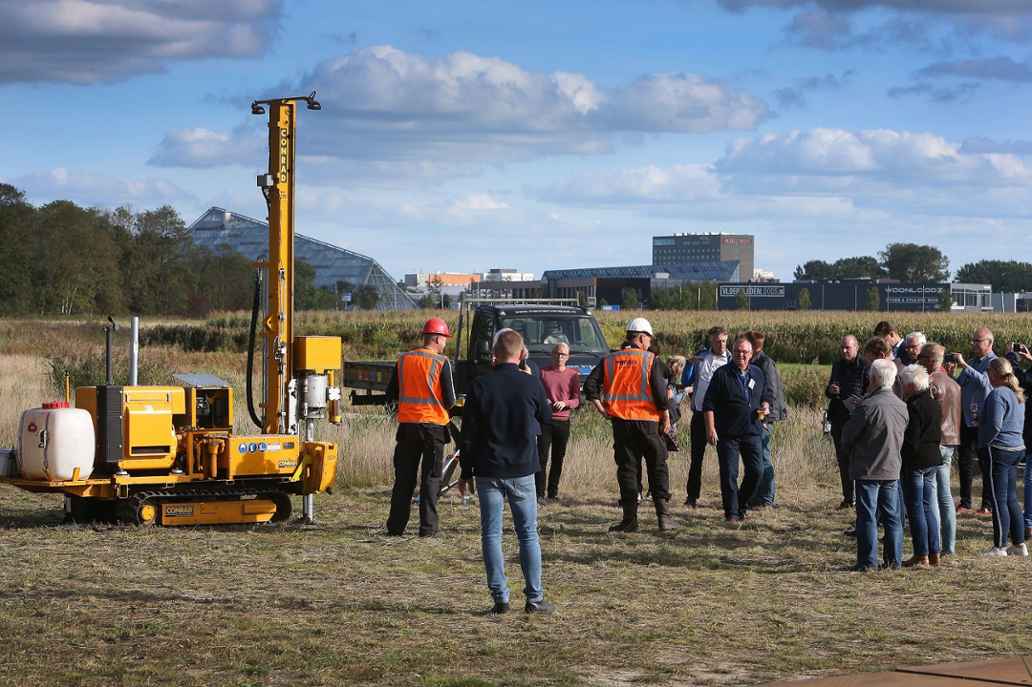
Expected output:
(974, 388)
(737, 401)
(912, 345)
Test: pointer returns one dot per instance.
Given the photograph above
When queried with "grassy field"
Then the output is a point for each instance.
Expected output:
(339, 603)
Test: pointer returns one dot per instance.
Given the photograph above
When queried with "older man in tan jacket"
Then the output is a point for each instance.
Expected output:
(947, 392)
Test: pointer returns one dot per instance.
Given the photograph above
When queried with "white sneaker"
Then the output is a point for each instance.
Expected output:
(995, 551)
(1018, 550)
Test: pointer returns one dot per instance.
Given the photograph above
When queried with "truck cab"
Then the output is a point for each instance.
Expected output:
(542, 325)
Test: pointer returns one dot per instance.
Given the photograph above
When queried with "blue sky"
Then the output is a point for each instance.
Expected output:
(461, 136)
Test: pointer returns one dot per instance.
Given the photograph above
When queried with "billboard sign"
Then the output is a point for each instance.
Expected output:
(753, 290)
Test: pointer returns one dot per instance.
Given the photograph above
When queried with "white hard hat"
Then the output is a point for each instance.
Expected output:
(640, 324)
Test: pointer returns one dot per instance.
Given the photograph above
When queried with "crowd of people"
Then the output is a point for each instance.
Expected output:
(901, 410)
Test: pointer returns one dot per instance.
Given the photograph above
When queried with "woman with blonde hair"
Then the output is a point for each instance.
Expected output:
(1000, 428)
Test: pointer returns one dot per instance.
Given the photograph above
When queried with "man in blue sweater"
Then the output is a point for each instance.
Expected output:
(501, 421)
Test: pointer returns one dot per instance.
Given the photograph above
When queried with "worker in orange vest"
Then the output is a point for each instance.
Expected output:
(423, 388)
(629, 387)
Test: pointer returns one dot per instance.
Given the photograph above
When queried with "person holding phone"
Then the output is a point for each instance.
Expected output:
(975, 388)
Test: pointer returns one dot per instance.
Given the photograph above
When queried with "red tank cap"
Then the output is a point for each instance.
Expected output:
(51, 405)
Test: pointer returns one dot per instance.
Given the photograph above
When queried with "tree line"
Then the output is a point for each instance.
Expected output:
(911, 262)
(63, 259)
(907, 262)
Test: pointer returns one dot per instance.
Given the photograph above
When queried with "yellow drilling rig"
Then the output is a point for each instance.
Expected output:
(168, 455)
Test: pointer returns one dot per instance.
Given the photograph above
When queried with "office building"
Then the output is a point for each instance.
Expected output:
(692, 249)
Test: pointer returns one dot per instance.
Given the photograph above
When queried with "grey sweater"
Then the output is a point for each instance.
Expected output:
(873, 436)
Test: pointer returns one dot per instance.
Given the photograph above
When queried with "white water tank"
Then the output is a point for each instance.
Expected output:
(55, 440)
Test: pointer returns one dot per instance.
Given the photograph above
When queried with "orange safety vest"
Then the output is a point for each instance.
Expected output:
(420, 399)
(626, 388)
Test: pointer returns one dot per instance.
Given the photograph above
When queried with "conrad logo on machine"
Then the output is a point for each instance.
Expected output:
(173, 510)
(284, 150)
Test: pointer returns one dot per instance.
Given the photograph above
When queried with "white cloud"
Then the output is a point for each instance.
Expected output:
(382, 104)
(834, 159)
(90, 41)
(97, 190)
(205, 148)
(476, 204)
(649, 184)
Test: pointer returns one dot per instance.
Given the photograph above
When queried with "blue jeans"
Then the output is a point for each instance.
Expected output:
(1003, 495)
(522, 495)
(947, 509)
(878, 500)
(766, 491)
(1028, 487)
(921, 496)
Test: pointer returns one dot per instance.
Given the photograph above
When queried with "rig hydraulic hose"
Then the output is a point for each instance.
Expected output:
(250, 349)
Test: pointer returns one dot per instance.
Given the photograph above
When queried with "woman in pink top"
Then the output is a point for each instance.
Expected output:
(562, 387)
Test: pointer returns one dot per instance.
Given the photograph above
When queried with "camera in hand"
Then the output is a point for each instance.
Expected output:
(1018, 346)
(950, 358)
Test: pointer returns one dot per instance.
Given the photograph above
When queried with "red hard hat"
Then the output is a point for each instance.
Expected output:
(435, 325)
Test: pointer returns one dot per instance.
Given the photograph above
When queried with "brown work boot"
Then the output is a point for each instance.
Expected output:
(630, 517)
(917, 562)
(663, 516)
(933, 559)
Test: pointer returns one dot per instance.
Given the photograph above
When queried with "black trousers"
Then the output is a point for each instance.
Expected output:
(969, 464)
(848, 493)
(697, 436)
(632, 441)
(417, 444)
(553, 439)
(750, 450)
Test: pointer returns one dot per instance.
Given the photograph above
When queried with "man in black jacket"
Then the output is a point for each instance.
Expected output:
(501, 421)
(736, 402)
(847, 384)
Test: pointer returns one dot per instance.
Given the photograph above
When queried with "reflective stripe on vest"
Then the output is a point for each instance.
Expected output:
(419, 388)
(627, 392)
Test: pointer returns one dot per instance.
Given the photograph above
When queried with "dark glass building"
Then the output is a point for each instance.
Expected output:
(219, 229)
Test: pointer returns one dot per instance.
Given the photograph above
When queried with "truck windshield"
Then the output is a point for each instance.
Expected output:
(542, 332)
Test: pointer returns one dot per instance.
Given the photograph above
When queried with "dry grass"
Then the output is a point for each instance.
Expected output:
(339, 603)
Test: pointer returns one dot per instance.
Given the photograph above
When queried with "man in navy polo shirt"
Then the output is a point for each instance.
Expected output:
(736, 402)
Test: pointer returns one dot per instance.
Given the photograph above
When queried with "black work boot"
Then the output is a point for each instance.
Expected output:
(663, 517)
(630, 517)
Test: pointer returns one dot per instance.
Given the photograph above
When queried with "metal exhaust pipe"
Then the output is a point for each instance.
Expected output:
(108, 330)
(134, 351)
